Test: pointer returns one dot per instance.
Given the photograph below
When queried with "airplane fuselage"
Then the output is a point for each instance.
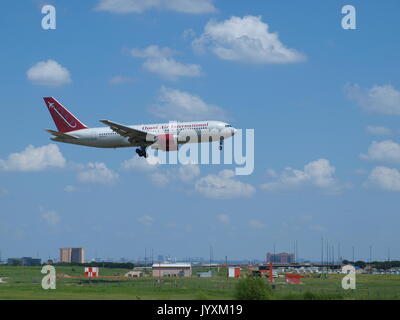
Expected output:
(105, 137)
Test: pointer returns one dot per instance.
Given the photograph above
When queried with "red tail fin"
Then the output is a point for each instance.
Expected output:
(64, 120)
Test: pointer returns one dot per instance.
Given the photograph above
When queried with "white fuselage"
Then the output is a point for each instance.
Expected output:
(105, 137)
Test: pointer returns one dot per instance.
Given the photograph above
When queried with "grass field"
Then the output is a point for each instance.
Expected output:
(25, 283)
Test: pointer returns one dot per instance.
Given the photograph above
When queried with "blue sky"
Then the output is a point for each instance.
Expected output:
(324, 103)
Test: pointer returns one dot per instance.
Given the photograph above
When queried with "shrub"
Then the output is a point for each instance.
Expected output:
(253, 288)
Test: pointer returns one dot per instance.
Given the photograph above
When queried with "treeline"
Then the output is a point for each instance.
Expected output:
(384, 265)
(114, 265)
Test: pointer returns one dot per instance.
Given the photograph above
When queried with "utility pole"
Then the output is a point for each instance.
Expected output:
(327, 252)
(370, 254)
(294, 251)
(211, 249)
(322, 251)
(353, 255)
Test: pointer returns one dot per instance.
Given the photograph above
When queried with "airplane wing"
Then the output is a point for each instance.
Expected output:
(60, 134)
(134, 135)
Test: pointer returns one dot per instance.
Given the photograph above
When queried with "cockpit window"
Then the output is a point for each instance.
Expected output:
(228, 126)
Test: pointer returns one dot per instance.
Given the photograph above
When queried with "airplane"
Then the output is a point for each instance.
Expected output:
(162, 136)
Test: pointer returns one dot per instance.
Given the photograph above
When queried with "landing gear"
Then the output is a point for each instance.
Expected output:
(221, 144)
(142, 152)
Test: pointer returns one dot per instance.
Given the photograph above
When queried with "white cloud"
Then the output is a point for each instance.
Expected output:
(384, 178)
(160, 175)
(224, 219)
(379, 131)
(34, 159)
(188, 34)
(171, 69)
(48, 73)
(159, 61)
(50, 217)
(223, 186)
(384, 151)
(317, 228)
(121, 80)
(141, 164)
(139, 6)
(245, 39)
(187, 173)
(256, 224)
(379, 99)
(70, 189)
(160, 179)
(146, 220)
(317, 173)
(180, 105)
(97, 172)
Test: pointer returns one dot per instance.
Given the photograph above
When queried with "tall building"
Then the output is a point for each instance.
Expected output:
(280, 258)
(76, 255)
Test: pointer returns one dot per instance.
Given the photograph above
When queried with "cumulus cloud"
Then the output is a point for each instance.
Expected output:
(160, 61)
(317, 174)
(146, 220)
(384, 151)
(50, 217)
(379, 131)
(139, 6)
(34, 159)
(256, 224)
(379, 99)
(141, 164)
(223, 186)
(247, 40)
(97, 172)
(116, 80)
(180, 105)
(48, 73)
(160, 179)
(70, 189)
(384, 178)
(187, 173)
(224, 219)
(160, 175)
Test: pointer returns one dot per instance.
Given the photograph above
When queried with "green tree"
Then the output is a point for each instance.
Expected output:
(253, 288)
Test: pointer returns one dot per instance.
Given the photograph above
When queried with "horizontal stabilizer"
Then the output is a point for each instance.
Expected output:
(60, 134)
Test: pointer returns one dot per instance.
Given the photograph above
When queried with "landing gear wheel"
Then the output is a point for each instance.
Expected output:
(221, 143)
(142, 152)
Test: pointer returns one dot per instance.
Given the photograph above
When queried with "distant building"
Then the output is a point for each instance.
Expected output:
(234, 272)
(172, 270)
(74, 255)
(207, 274)
(284, 258)
(25, 261)
(14, 262)
(134, 274)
